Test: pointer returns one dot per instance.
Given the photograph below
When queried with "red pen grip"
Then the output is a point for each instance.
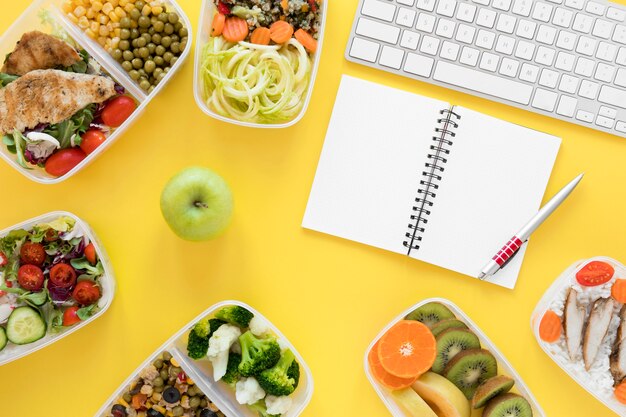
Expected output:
(508, 250)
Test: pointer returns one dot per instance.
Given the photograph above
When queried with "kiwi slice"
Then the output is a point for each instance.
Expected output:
(446, 324)
(470, 368)
(508, 405)
(450, 343)
(491, 388)
(431, 313)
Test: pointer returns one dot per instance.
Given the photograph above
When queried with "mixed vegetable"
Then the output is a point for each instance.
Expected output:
(248, 357)
(257, 64)
(49, 280)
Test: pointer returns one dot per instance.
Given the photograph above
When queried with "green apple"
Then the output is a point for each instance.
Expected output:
(197, 204)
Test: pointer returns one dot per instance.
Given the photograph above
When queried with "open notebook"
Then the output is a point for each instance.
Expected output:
(417, 176)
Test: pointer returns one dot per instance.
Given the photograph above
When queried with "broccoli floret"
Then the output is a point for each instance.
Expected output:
(276, 380)
(236, 315)
(261, 409)
(294, 373)
(198, 341)
(257, 354)
(214, 324)
(232, 370)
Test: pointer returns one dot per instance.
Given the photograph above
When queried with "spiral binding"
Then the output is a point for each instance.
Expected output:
(431, 177)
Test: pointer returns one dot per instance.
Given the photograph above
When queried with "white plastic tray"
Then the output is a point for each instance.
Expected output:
(504, 368)
(205, 26)
(560, 285)
(221, 394)
(30, 20)
(12, 352)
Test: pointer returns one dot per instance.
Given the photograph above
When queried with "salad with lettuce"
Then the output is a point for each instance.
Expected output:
(49, 280)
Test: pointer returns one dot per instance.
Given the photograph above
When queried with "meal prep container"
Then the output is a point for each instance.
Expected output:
(31, 20)
(12, 352)
(503, 365)
(205, 27)
(567, 278)
(201, 372)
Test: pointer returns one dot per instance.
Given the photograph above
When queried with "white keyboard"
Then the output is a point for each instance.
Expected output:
(562, 58)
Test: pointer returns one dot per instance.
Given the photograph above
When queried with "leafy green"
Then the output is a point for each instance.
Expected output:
(20, 145)
(60, 224)
(35, 299)
(81, 66)
(86, 312)
(56, 29)
(75, 125)
(84, 265)
(10, 241)
(6, 79)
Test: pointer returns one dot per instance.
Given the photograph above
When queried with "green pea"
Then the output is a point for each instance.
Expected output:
(125, 23)
(134, 33)
(183, 45)
(159, 26)
(173, 61)
(164, 374)
(169, 29)
(149, 67)
(135, 14)
(167, 57)
(194, 402)
(147, 37)
(127, 66)
(178, 26)
(124, 34)
(143, 73)
(155, 74)
(136, 53)
(143, 30)
(159, 60)
(134, 74)
(117, 54)
(166, 41)
(127, 397)
(172, 18)
(144, 52)
(167, 69)
(204, 403)
(134, 43)
(178, 411)
(139, 4)
(141, 42)
(160, 49)
(157, 389)
(153, 20)
(144, 22)
(151, 30)
(162, 17)
(124, 45)
(156, 38)
(175, 48)
(174, 38)
(161, 76)
(158, 363)
(183, 32)
(144, 84)
(137, 63)
(128, 55)
(151, 47)
(158, 382)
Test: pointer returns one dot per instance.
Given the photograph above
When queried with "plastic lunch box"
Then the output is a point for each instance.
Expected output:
(201, 371)
(205, 26)
(30, 20)
(565, 280)
(503, 365)
(12, 352)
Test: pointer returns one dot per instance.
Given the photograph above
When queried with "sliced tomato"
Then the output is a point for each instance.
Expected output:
(91, 139)
(63, 275)
(595, 273)
(51, 235)
(32, 253)
(86, 293)
(62, 162)
(118, 110)
(30, 277)
(70, 316)
(90, 253)
(3, 259)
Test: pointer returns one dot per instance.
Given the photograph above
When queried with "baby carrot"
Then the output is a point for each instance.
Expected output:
(218, 24)
(260, 36)
(620, 393)
(550, 327)
(618, 291)
(235, 29)
(308, 41)
(281, 31)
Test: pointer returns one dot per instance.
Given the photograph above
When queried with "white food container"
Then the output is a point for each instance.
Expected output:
(107, 282)
(504, 368)
(201, 372)
(30, 20)
(552, 297)
(205, 27)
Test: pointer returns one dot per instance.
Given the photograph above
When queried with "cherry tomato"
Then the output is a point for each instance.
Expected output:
(118, 110)
(91, 140)
(86, 293)
(70, 317)
(3, 259)
(62, 275)
(62, 162)
(32, 253)
(90, 253)
(595, 273)
(51, 235)
(30, 277)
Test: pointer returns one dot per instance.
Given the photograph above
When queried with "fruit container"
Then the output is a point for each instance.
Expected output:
(200, 371)
(12, 352)
(504, 367)
(598, 381)
(32, 19)
(205, 27)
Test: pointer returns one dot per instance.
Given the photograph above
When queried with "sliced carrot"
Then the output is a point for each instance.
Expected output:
(218, 24)
(284, 4)
(620, 392)
(235, 29)
(138, 401)
(260, 36)
(385, 378)
(281, 31)
(550, 327)
(308, 41)
(408, 349)
(618, 290)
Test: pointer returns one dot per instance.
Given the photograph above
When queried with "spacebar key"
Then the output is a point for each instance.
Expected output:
(483, 83)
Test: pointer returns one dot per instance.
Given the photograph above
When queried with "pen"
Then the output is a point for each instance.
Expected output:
(512, 247)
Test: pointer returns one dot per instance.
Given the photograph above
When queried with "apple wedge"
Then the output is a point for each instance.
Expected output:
(443, 397)
(412, 403)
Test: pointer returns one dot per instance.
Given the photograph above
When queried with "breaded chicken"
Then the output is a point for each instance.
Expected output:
(37, 50)
(49, 96)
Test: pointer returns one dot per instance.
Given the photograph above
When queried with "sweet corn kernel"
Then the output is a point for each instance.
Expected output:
(115, 43)
(107, 8)
(67, 7)
(114, 17)
(80, 11)
(190, 381)
(122, 402)
(72, 17)
(114, 3)
(117, 32)
(91, 13)
(96, 6)
(120, 12)
(103, 31)
(102, 41)
(157, 10)
(129, 7)
(103, 19)
(146, 10)
(159, 409)
(174, 362)
(91, 33)
(83, 22)
(94, 26)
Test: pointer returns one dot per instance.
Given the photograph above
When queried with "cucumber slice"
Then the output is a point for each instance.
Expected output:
(25, 325)
(3, 338)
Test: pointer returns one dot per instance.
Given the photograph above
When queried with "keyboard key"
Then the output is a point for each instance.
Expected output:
(509, 67)
(529, 73)
(565, 61)
(620, 126)
(545, 56)
(469, 56)
(525, 50)
(584, 116)
(612, 96)
(364, 49)
(589, 89)
(446, 8)
(542, 12)
(616, 14)
(606, 51)
(605, 73)
(522, 7)
(548, 78)
(486, 18)
(428, 5)
(450, 51)
(605, 122)
(567, 106)
(506, 23)
(602, 29)
(406, 17)
(595, 8)
(620, 78)
(621, 56)
(566, 40)
(466, 12)
(563, 17)
(445, 28)
(582, 23)
(608, 112)
(406, 2)
(504, 5)
(409, 40)
(379, 9)
(418, 65)
(619, 35)
(474, 80)
(486, 39)
(546, 35)
(391, 57)
(526, 29)
(569, 84)
(575, 4)
(505, 45)
(544, 100)
(584, 67)
(465, 34)
(483, 2)
(377, 30)
(489, 62)
(586, 46)
(430, 45)
(425, 23)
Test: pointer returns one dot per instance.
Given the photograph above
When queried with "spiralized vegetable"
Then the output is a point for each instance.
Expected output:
(255, 83)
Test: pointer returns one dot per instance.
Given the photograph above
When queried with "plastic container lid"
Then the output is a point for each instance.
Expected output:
(201, 372)
(31, 20)
(504, 368)
(12, 352)
(205, 26)
(554, 299)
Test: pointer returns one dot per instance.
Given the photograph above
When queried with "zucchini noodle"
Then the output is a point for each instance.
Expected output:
(255, 83)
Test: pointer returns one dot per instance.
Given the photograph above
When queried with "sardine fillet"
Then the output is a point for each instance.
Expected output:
(597, 328)
(574, 322)
(36, 50)
(618, 355)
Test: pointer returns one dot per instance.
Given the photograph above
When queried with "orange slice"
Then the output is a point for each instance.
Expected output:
(385, 378)
(408, 349)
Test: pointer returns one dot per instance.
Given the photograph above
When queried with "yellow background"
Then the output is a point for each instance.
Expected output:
(329, 296)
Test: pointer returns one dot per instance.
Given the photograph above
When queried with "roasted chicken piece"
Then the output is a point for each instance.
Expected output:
(37, 50)
(618, 355)
(597, 328)
(574, 322)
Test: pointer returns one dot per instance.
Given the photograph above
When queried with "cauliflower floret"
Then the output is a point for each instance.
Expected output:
(277, 405)
(147, 389)
(219, 346)
(236, 347)
(258, 326)
(248, 391)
